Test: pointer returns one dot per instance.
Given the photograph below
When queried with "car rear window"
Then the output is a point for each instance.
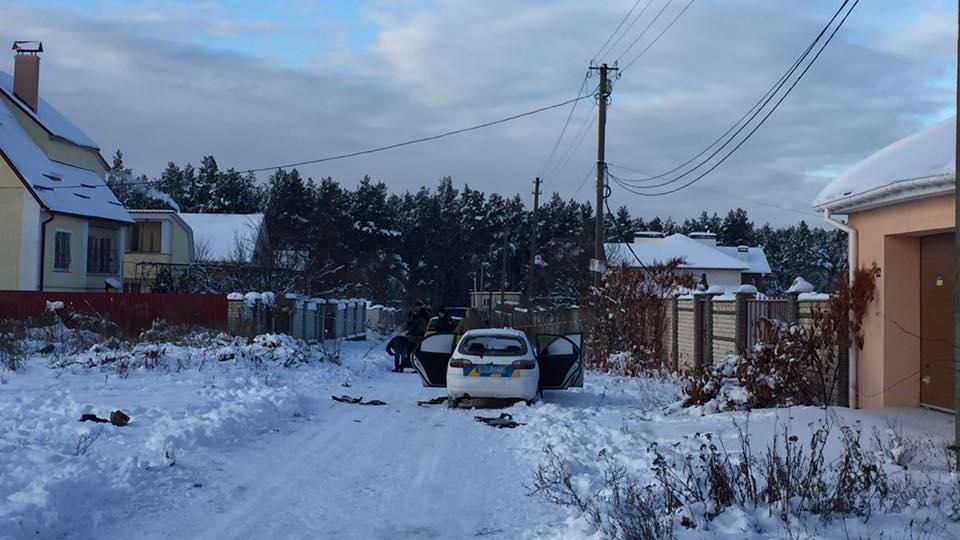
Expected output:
(493, 346)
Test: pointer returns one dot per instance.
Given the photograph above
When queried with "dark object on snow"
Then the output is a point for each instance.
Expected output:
(89, 417)
(434, 401)
(505, 420)
(119, 418)
(357, 400)
(225, 356)
(373, 402)
(47, 349)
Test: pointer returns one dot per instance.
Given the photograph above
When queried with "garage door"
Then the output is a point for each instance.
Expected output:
(936, 321)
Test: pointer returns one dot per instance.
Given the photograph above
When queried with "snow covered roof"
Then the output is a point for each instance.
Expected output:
(919, 165)
(697, 254)
(47, 116)
(57, 186)
(756, 258)
(222, 237)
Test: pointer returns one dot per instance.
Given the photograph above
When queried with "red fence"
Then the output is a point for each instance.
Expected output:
(132, 312)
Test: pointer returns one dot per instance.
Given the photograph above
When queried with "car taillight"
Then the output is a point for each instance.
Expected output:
(461, 363)
(523, 364)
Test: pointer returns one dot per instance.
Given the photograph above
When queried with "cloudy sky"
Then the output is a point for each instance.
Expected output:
(257, 84)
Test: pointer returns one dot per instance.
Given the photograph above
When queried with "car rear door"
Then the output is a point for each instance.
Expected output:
(431, 358)
(561, 361)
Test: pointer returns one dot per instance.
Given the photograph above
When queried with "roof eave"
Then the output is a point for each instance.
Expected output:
(893, 193)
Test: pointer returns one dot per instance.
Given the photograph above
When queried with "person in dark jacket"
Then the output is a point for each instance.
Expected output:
(400, 347)
(445, 323)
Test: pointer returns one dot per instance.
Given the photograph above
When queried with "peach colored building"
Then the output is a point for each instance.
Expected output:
(899, 204)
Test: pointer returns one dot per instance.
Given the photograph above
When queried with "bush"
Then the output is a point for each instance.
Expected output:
(791, 479)
(629, 313)
(794, 364)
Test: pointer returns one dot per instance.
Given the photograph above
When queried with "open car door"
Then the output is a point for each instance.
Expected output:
(431, 358)
(561, 361)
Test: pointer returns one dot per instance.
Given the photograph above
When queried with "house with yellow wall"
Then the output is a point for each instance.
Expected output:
(156, 239)
(899, 207)
(61, 228)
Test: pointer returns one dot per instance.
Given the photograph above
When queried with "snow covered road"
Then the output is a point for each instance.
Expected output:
(263, 452)
(350, 471)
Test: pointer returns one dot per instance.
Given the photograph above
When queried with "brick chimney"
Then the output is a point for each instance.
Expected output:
(26, 72)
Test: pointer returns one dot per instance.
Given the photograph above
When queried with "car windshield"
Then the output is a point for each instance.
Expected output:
(493, 346)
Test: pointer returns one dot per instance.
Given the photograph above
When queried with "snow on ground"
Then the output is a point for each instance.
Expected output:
(261, 451)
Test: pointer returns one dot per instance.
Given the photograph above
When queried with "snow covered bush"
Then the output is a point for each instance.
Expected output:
(793, 364)
(792, 481)
(629, 317)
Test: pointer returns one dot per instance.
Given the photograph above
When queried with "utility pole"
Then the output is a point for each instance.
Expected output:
(533, 241)
(956, 281)
(602, 97)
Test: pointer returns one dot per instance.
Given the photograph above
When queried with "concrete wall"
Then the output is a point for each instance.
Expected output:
(889, 367)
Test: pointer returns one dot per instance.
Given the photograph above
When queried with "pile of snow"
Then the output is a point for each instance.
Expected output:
(202, 390)
(801, 285)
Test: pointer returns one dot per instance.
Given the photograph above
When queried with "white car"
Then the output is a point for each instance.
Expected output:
(499, 364)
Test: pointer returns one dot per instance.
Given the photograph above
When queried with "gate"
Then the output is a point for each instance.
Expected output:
(774, 309)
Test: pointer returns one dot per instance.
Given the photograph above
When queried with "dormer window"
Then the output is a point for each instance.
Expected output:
(82, 196)
(53, 176)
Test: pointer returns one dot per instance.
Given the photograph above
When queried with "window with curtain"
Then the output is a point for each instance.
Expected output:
(145, 237)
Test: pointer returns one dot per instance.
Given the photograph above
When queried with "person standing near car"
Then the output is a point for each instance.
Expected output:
(445, 323)
(471, 321)
(400, 347)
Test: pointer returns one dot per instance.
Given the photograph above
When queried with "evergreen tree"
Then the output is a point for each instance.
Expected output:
(736, 229)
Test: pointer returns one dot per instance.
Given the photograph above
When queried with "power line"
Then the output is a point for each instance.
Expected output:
(762, 102)
(629, 26)
(585, 126)
(421, 139)
(656, 39)
(645, 30)
(556, 144)
(762, 120)
(583, 182)
(617, 29)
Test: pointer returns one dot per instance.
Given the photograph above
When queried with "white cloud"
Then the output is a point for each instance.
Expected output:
(136, 78)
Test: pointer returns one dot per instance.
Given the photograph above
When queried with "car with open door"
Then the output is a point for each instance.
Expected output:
(499, 364)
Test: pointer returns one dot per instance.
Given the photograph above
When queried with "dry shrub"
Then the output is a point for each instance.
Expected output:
(794, 364)
(630, 317)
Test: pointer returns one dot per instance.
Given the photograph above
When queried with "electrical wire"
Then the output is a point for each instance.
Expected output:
(617, 29)
(556, 144)
(588, 122)
(656, 39)
(629, 26)
(762, 120)
(590, 172)
(762, 102)
(367, 151)
(644, 31)
(419, 140)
